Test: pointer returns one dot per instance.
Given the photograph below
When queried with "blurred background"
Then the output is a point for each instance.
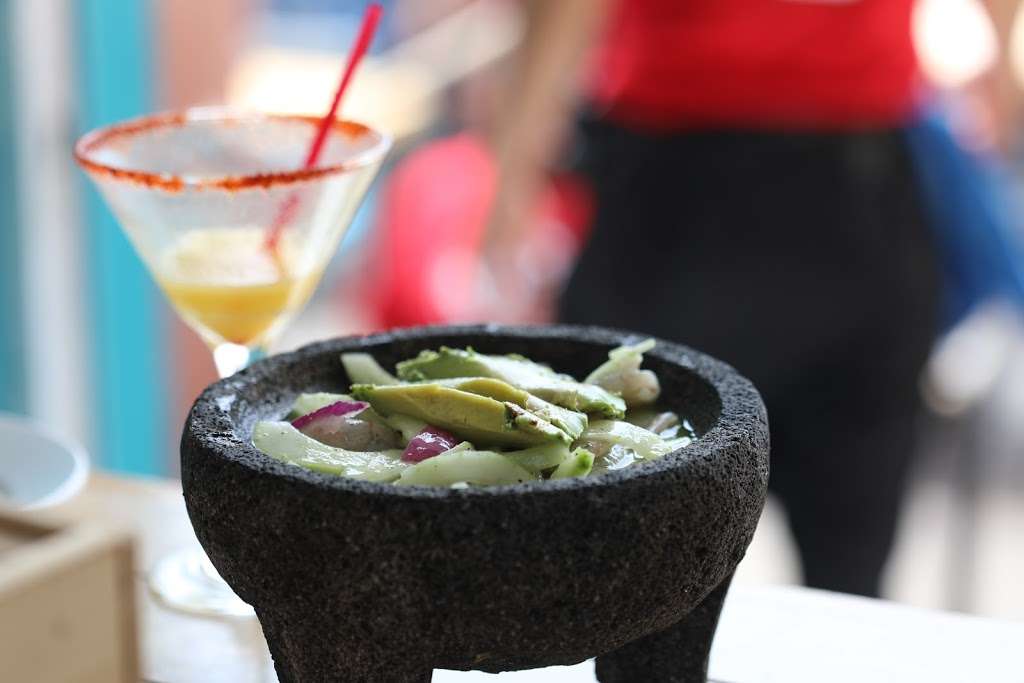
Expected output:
(88, 346)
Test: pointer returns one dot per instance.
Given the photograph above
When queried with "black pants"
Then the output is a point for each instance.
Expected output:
(802, 259)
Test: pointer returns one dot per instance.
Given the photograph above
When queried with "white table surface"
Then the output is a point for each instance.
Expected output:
(768, 634)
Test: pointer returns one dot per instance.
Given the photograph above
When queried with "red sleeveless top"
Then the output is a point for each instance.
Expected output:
(756, 63)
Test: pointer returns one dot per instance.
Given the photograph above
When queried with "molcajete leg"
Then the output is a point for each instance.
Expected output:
(679, 654)
(308, 655)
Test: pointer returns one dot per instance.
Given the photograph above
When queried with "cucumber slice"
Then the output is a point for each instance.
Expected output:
(482, 468)
(622, 376)
(578, 464)
(281, 441)
(540, 458)
(647, 445)
(308, 403)
(408, 426)
(625, 357)
(679, 442)
(616, 457)
(362, 368)
(664, 423)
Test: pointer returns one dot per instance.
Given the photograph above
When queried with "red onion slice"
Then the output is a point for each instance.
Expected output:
(429, 442)
(333, 410)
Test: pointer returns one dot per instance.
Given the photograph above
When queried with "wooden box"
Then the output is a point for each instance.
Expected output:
(67, 602)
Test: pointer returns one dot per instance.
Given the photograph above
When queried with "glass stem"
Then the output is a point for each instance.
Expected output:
(230, 358)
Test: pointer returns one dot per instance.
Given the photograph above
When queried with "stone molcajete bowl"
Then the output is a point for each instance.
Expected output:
(355, 581)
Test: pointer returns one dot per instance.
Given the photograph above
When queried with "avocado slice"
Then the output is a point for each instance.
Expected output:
(449, 362)
(480, 419)
(569, 421)
(522, 373)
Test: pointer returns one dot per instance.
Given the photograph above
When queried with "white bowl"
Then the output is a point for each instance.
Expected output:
(37, 467)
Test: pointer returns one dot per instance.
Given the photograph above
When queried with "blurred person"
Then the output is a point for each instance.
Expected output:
(994, 94)
(754, 197)
(962, 143)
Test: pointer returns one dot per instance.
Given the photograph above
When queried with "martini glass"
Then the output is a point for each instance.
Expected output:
(197, 192)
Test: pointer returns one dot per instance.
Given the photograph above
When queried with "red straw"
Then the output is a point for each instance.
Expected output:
(370, 20)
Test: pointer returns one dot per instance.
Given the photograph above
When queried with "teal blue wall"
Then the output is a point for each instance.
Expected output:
(12, 356)
(129, 369)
